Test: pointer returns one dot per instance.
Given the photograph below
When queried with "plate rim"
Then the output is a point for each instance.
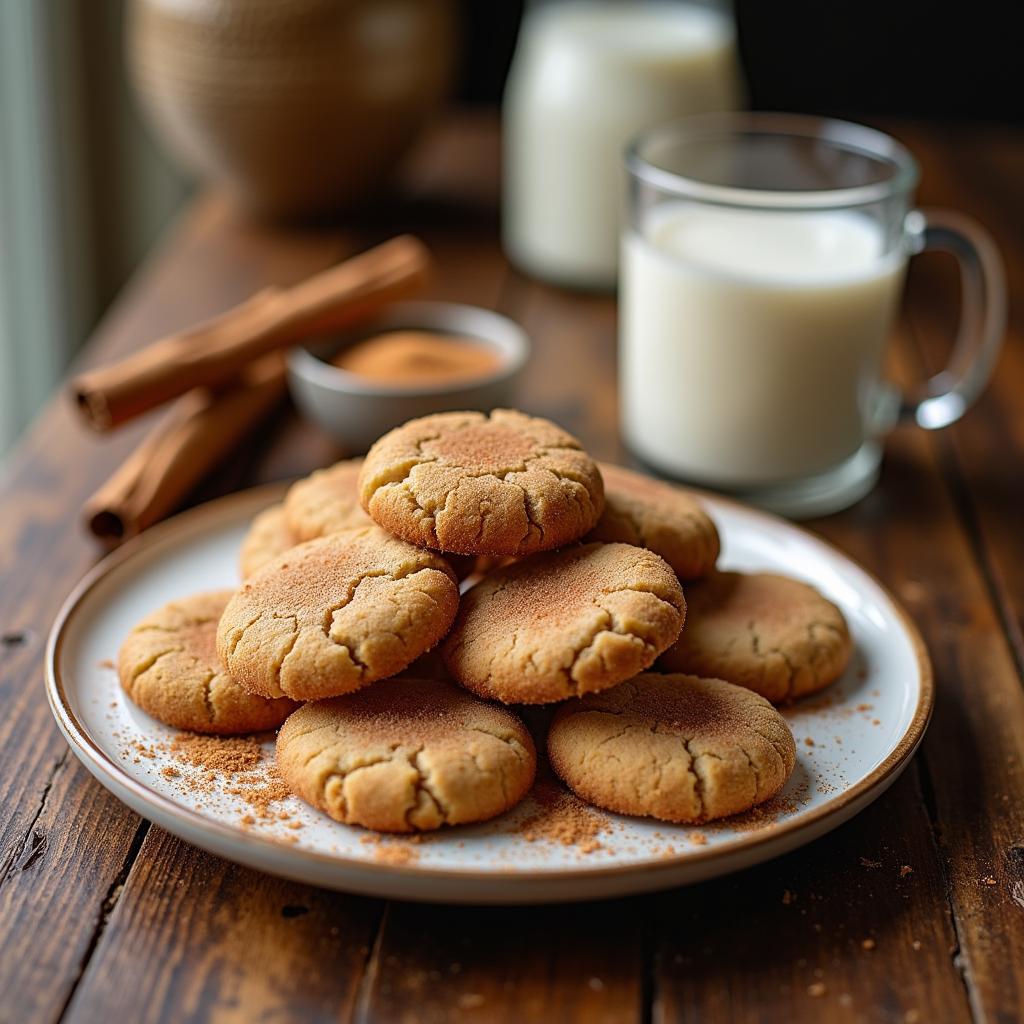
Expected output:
(103, 767)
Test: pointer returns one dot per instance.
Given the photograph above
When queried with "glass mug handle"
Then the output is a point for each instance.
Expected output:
(944, 398)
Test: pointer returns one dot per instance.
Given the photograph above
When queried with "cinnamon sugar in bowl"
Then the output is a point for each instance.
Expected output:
(415, 359)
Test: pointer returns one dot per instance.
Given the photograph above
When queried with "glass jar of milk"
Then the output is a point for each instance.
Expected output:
(587, 76)
(762, 267)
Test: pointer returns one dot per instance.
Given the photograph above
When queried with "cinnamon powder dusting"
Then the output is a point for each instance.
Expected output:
(224, 754)
(205, 765)
(563, 819)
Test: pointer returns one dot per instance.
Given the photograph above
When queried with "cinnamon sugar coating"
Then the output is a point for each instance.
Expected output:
(559, 624)
(776, 636)
(336, 613)
(407, 755)
(660, 516)
(269, 536)
(168, 666)
(674, 747)
(506, 484)
(325, 501)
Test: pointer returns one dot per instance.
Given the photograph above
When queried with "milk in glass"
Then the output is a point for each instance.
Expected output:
(751, 341)
(587, 77)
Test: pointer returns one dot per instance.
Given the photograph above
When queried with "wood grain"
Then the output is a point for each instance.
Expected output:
(508, 964)
(202, 939)
(973, 602)
(841, 931)
(48, 805)
(104, 918)
(231, 970)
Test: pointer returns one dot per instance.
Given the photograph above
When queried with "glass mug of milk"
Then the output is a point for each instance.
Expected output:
(588, 75)
(762, 267)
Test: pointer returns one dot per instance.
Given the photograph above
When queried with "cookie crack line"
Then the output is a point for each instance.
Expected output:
(296, 633)
(763, 656)
(207, 684)
(150, 662)
(423, 459)
(512, 742)
(753, 768)
(698, 782)
(423, 785)
(342, 775)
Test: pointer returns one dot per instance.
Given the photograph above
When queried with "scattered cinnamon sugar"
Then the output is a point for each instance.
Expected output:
(260, 792)
(988, 880)
(224, 754)
(395, 853)
(229, 764)
(808, 742)
(866, 862)
(563, 819)
(905, 870)
(106, 663)
(698, 839)
(393, 849)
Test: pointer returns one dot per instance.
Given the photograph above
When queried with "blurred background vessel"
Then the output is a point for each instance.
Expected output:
(588, 75)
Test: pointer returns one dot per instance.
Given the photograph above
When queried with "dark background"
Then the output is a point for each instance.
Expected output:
(902, 57)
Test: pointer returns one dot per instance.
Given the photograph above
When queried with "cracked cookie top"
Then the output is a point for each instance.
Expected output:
(168, 666)
(777, 636)
(503, 485)
(269, 536)
(407, 756)
(325, 501)
(673, 747)
(336, 613)
(557, 625)
(660, 516)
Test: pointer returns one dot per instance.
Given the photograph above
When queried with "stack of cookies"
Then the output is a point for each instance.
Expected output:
(578, 573)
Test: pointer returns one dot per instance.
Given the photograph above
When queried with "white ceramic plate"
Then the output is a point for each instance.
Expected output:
(852, 741)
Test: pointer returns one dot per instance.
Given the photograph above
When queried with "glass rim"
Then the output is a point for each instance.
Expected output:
(841, 134)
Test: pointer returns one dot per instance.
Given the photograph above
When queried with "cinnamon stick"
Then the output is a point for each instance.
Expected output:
(202, 428)
(211, 354)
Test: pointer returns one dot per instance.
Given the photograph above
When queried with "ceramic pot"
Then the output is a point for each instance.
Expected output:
(295, 107)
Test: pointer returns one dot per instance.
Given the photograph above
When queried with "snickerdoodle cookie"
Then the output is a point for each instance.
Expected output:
(673, 747)
(407, 756)
(557, 625)
(774, 635)
(660, 516)
(336, 613)
(325, 501)
(269, 536)
(472, 484)
(168, 665)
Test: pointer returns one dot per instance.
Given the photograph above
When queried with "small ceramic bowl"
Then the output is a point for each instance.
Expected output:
(355, 412)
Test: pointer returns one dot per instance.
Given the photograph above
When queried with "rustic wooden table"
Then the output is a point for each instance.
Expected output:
(104, 917)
